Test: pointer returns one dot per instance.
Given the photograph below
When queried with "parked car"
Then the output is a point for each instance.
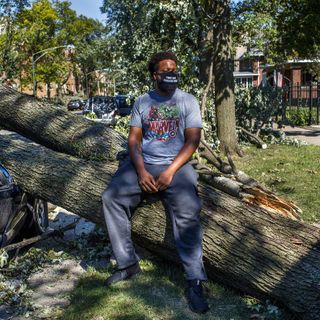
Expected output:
(105, 108)
(124, 104)
(20, 213)
(75, 104)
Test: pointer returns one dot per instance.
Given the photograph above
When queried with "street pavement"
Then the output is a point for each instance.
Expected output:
(310, 134)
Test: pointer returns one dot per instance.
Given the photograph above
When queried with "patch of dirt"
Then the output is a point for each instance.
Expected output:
(52, 285)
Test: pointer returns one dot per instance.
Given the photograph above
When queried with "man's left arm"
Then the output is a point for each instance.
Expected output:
(192, 140)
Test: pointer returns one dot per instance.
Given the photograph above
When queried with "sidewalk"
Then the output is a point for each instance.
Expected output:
(311, 134)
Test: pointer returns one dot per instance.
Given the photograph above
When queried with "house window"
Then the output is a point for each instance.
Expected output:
(244, 82)
(306, 78)
(245, 65)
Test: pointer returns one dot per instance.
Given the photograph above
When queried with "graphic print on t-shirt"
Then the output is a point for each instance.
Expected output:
(163, 122)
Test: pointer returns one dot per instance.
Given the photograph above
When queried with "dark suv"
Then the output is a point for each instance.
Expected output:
(75, 104)
(124, 104)
(19, 212)
(104, 107)
(100, 105)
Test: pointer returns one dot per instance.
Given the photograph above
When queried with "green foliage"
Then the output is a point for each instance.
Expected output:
(122, 125)
(265, 310)
(269, 136)
(299, 116)
(141, 28)
(12, 7)
(93, 51)
(44, 30)
(255, 26)
(299, 26)
(281, 29)
(255, 106)
(91, 115)
(91, 247)
(13, 287)
(9, 9)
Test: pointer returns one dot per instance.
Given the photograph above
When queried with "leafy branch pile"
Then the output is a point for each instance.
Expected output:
(14, 274)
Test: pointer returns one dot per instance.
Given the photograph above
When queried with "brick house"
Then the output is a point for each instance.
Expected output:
(247, 67)
(250, 69)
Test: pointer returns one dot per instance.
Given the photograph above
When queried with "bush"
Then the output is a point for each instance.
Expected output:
(122, 125)
(255, 106)
(300, 116)
(91, 115)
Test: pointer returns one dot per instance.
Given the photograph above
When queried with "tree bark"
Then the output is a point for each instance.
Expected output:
(245, 247)
(223, 78)
(57, 128)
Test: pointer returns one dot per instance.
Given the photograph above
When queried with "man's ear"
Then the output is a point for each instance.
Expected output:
(154, 76)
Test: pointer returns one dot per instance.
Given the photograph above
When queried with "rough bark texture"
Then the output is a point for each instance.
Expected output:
(223, 77)
(245, 247)
(57, 128)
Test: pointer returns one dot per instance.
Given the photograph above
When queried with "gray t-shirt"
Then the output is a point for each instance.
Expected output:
(163, 121)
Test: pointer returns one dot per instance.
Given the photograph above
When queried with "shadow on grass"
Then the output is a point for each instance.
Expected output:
(157, 293)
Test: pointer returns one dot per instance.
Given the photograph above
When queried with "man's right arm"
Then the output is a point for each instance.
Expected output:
(146, 180)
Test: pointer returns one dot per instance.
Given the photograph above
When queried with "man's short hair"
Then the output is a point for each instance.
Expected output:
(159, 56)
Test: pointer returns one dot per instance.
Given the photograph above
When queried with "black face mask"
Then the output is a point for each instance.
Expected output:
(168, 81)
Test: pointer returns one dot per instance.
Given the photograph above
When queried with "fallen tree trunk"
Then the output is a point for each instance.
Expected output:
(245, 246)
(57, 128)
(62, 131)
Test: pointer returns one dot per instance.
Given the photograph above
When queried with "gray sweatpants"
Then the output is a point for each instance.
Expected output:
(182, 203)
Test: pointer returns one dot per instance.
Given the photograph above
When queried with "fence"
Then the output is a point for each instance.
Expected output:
(306, 97)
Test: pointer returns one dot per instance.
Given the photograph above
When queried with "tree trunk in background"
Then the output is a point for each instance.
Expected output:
(206, 51)
(245, 247)
(223, 78)
(49, 90)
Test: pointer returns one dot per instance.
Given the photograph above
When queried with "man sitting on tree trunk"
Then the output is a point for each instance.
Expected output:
(165, 131)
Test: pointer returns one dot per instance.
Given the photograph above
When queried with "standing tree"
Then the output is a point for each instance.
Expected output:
(36, 31)
(141, 28)
(282, 29)
(223, 76)
(9, 9)
(199, 31)
(50, 26)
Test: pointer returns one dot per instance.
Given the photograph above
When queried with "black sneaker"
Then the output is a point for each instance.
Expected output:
(123, 274)
(196, 300)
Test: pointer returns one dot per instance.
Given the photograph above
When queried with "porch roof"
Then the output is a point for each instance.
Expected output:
(244, 74)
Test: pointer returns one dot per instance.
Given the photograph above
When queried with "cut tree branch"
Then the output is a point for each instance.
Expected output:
(48, 233)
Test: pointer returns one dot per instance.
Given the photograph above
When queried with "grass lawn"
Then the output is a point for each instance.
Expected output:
(292, 172)
(158, 293)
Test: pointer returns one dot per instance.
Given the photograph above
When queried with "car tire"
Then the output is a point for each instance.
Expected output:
(39, 216)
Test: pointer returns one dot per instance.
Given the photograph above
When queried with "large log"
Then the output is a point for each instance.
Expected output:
(62, 131)
(58, 129)
(245, 246)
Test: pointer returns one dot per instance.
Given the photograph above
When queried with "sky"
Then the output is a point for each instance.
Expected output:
(88, 8)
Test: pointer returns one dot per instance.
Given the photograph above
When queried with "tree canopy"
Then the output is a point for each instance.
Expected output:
(52, 26)
(282, 29)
